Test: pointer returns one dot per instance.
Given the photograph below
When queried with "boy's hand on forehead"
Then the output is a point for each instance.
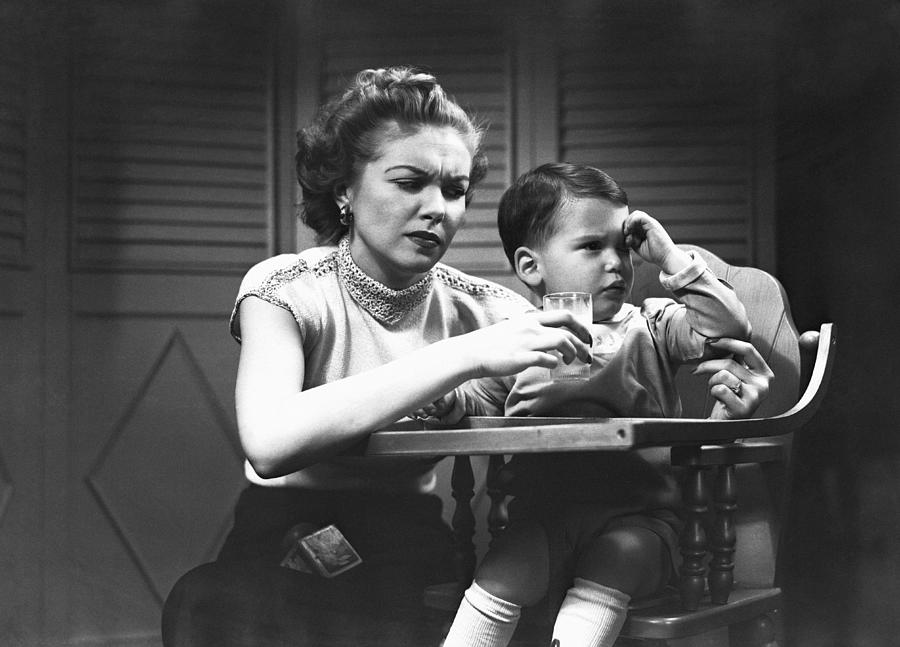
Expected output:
(649, 240)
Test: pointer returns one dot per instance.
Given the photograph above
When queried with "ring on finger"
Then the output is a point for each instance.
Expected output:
(737, 388)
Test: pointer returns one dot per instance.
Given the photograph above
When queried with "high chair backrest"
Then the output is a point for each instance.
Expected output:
(776, 338)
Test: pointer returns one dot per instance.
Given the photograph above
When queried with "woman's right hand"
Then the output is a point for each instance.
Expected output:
(284, 427)
(738, 383)
(511, 346)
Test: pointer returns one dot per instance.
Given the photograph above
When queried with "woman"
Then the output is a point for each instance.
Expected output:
(341, 340)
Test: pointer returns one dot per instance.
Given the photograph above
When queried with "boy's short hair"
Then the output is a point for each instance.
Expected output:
(526, 215)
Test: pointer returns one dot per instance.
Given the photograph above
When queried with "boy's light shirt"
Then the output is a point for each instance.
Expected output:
(606, 344)
(635, 356)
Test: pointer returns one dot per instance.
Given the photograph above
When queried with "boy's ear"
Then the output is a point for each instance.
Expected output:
(525, 262)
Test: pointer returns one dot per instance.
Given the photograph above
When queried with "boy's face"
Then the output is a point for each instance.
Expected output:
(587, 253)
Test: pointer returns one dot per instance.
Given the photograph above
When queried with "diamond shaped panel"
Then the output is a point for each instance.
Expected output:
(166, 477)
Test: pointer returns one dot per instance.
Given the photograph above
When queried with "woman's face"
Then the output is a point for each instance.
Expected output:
(408, 202)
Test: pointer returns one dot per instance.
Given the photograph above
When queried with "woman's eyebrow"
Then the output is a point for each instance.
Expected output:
(462, 177)
(407, 167)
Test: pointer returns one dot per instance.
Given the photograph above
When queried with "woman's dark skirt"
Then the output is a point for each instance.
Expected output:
(245, 598)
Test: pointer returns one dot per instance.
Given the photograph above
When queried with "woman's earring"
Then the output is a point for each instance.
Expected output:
(346, 214)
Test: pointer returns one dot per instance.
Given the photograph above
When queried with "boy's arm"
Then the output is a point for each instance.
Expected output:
(710, 308)
(707, 308)
(485, 396)
(481, 397)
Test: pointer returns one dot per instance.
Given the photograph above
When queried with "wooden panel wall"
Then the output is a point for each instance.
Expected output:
(173, 172)
(21, 501)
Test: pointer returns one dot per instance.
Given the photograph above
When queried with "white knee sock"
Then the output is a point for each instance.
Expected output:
(483, 620)
(591, 615)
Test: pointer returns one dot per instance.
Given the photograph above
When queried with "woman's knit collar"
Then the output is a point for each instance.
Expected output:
(386, 305)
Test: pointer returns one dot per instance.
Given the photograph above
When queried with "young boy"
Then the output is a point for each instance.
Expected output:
(602, 523)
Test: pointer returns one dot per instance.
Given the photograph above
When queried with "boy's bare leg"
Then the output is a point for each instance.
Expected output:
(518, 569)
(617, 566)
(514, 575)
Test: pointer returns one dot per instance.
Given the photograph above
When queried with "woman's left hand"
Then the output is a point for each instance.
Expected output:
(738, 383)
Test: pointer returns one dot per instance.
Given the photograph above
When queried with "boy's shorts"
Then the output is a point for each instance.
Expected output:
(571, 527)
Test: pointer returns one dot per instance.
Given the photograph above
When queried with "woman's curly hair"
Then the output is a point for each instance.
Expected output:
(342, 137)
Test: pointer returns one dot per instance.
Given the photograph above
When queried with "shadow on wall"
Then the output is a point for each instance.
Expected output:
(838, 201)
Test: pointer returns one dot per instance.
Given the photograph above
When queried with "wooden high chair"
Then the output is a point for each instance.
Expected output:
(729, 574)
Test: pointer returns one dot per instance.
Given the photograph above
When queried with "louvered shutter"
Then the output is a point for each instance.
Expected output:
(171, 153)
(12, 135)
(649, 94)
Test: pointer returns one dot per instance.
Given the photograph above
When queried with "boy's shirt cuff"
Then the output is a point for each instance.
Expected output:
(674, 282)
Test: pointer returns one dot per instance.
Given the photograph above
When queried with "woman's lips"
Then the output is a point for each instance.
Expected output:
(426, 239)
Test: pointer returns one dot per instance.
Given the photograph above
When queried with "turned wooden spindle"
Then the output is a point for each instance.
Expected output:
(498, 515)
(462, 484)
(693, 537)
(723, 536)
